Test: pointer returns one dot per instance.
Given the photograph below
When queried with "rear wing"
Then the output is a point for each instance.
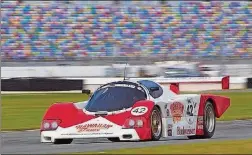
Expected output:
(174, 84)
(224, 81)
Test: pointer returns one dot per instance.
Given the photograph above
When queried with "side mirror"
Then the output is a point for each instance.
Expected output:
(154, 88)
(86, 91)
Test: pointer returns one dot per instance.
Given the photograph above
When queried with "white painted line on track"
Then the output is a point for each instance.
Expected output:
(20, 130)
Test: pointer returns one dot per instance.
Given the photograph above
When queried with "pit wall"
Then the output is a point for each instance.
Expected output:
(185, 84)
(77, 84)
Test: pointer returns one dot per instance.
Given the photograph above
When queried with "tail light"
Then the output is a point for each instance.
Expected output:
(50, 124)
(134, 122)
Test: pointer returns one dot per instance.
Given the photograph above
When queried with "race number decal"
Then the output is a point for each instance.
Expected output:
(191, 105)
(191, 111)
(139, 110)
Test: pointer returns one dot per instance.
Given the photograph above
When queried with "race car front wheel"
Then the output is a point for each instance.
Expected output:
(63, 141)
(156, 124)
(209, 122)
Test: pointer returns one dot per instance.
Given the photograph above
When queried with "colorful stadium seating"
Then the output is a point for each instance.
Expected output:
(70, 31)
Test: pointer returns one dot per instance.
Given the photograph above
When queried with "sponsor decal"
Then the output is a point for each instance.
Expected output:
(183, 131)
(87, 133)
(200, 127)
(138, 87)
(177, 109)
(170, 126)
(190, 120)
(124, 85)
(169, 131)
(200, 120)
(93, 127)
(166, 106)
(118, 85)
(167, 112)
(137, 111)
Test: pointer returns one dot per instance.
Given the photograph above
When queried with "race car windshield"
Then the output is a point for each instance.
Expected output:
(115, 97)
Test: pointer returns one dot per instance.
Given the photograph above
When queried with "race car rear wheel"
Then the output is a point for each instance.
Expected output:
(209, 122)
(63, 141)
(156, 124)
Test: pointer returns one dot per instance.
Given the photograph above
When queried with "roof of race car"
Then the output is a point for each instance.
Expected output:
(146, 83)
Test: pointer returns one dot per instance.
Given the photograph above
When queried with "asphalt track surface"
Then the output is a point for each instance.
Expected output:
(28, 142)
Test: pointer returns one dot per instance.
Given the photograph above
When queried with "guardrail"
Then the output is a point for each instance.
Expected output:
(184, 84)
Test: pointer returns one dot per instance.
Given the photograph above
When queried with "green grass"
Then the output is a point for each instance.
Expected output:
(214, 147)
(25, 111)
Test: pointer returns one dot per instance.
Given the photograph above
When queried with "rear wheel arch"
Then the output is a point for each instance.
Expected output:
(213, 103)
(209, 123)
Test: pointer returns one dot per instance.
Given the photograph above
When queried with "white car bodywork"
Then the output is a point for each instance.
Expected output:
(187, 123)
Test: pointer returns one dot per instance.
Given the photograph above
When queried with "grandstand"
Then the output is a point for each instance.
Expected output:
(79, 30)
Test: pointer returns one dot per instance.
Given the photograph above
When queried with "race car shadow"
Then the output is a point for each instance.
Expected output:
(90, 141)
(103, 141)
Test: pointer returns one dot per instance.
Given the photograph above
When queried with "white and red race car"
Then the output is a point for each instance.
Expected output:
(131, 111)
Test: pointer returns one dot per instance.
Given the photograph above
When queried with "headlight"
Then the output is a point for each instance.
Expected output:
(134, 122)
(46, 125)
(131, 122)
(139, 123)
(51, 124)
(54, 125)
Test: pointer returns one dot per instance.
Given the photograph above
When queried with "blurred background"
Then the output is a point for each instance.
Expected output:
(97, 38)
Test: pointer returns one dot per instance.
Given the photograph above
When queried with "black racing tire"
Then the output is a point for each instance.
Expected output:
(114, 139)
(156, 114)
(209, 122)
(63, 141)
